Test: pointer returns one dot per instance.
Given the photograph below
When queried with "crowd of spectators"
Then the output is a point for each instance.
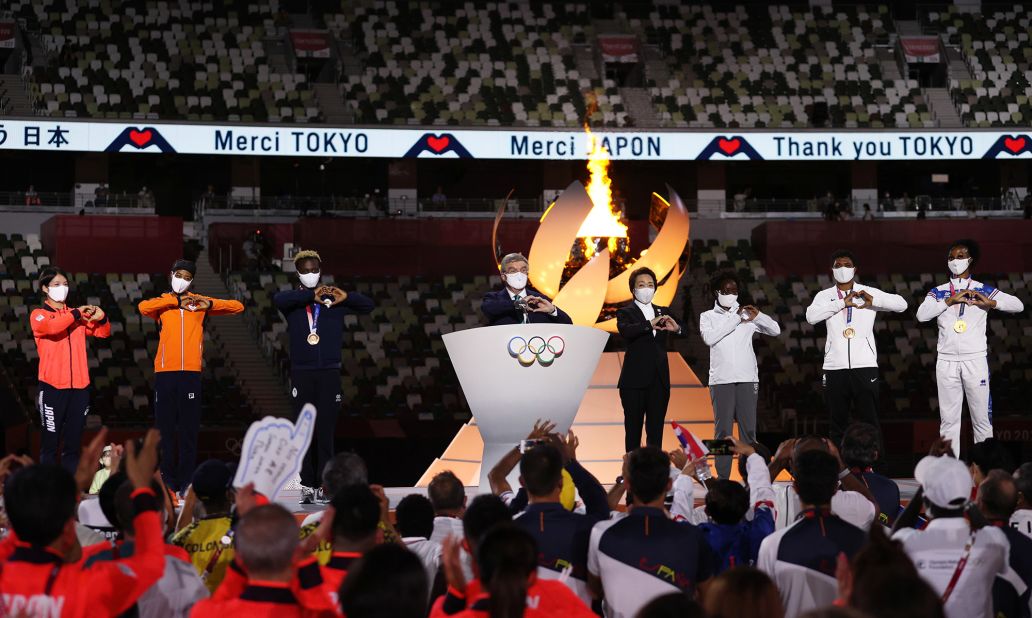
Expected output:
(837, 540)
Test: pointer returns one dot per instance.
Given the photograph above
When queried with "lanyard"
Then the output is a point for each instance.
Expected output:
(964, 304)
(849, 306)
(313, 316)
(960, 568)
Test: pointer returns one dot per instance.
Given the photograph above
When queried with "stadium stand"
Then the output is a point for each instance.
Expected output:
(120, 366)
(397, 365)
(123, 63)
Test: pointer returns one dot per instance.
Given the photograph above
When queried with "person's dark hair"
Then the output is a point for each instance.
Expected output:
(541, 469)
(998, 495)
(727, 502)
(343, 470)
(886, 584)
(764, 454)
(484, 512)
(860, 445)
(47, 275)
(844, 253)
(124, 509)
(414, 516)
(648, 472)
(446, 492)
(743, 592)
(717, 281)
(991, 455)
(972, 246)
(388, 581)
(106, 496)
(816, 477)
(356, 513)
(671, 605)
(644, 270)
(1023, 481)
(40, 500)
(507, 556)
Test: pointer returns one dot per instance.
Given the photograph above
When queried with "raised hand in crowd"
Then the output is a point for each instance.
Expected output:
(88, 460)
(941, 446)
(451, 563)
(140, 463)
(385, 511)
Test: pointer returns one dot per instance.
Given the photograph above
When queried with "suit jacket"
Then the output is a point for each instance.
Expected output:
(498, 308)
(645, 361)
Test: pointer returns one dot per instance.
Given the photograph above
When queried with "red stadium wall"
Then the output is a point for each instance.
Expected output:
(906, 247)
(113, 244)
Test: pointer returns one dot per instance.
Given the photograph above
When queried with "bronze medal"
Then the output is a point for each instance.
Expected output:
(313, 339)
(849, 333)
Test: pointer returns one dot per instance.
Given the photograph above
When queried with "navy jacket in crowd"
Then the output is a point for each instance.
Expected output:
(499, 309)
(884, 490)
(325, 354)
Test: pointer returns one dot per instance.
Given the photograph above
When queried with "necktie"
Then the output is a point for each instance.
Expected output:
(516, 299)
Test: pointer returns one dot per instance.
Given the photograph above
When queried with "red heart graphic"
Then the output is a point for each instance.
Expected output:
(729, 146)
(1014, 145)
(140, 137)
(438, 144)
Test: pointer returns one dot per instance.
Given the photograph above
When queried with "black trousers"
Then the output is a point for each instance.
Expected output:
(851, 395)
(177, 415)
(62, 413)
(648, 405)
(321, 388)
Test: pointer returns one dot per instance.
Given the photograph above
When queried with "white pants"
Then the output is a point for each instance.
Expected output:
(957, 379)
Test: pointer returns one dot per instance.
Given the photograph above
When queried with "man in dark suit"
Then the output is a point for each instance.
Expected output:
(645, 374)
(517, 302)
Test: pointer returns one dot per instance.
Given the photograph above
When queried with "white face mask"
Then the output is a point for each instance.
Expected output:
(644, 295)
(516, 281)
(958, 266)
(57, 293)
(310, 280)
(179, 285)
(843, 274)
(727, 300)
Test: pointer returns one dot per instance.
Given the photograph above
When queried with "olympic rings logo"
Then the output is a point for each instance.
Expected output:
(537, 348)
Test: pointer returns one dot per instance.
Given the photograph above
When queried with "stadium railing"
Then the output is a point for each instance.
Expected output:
(365, 206)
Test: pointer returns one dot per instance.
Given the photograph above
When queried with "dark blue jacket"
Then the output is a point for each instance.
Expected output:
(1007, 603)
(738, 544)
(498, 308)
(325, 354)
(885, 491)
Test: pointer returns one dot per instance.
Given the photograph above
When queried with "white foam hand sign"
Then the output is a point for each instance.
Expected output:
(272, 452)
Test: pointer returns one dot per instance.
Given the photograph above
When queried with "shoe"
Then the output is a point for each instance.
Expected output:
(320, 497)
(307, 495)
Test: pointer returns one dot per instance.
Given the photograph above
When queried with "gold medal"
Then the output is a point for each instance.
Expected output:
(313, 339)
(959, 326)
(849, 333)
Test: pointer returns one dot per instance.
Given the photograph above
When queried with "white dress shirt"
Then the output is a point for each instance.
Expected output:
(970, 344)
(649, 312)
(937, 549)
(730, 340)
(830, 307)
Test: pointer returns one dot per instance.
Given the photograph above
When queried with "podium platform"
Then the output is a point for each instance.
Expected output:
(598, 424)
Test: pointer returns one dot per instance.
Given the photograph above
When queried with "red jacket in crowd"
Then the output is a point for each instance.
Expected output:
(545, 598)
(36, 581)
(61, 341)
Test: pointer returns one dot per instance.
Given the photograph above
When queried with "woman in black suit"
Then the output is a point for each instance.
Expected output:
(645, 374)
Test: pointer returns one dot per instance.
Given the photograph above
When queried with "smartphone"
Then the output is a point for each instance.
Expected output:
(526, 445)
(719, 447)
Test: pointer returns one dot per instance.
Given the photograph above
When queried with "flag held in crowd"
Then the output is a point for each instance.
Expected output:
(692, 445)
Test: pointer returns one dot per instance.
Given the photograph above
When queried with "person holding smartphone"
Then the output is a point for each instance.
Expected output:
(728, 329)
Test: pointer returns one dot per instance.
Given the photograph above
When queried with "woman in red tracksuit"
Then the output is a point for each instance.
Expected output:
(508, 585)
(64, 379)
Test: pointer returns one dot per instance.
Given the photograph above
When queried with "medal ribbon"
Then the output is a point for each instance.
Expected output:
(849, 308)
(313, 320)
(963, 305)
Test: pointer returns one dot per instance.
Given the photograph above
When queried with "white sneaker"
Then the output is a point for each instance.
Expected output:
(307, 495)
(320, 497)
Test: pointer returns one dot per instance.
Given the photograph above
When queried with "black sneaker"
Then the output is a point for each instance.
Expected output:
(307, 495)
(320, 497)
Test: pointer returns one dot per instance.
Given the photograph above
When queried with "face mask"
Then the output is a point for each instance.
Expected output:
(179, 285)
(57, 293)
(843, 274)
(727, 300)
(516, 281)
(310, 280)
(958, 266)
(644, 295)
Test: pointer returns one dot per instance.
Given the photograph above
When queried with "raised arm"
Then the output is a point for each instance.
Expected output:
(496, 304)
(596, 502)
(560, 317)
(886, 301)
(767, 325)
(931, 307)
(225, 307)
(820, 309)
(713, 327)
(359, 303)
(630, 329)
(100, 329)
(1006, 302)
(46, 323)
(290, 300)
(154, 307)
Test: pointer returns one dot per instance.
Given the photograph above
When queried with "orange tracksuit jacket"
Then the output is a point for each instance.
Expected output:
(61, 342)
(37, 582)
(181, 344)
